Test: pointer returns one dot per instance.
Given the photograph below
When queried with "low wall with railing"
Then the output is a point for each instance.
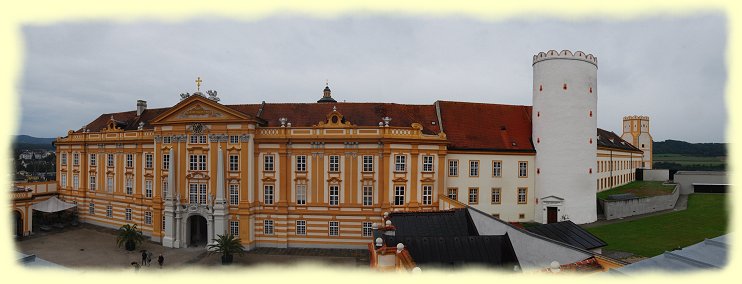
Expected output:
(34, 188)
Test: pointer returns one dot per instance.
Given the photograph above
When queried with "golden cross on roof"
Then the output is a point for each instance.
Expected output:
(198, 84)
(327, 83)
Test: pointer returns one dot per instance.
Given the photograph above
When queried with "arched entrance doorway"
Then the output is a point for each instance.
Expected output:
(18, 223)
(197, 234)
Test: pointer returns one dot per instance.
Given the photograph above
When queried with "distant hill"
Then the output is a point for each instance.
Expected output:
(25, 139)
(691, 149)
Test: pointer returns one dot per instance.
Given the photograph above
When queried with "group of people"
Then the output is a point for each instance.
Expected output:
(147, 259)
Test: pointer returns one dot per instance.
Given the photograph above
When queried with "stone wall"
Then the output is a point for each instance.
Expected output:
(615, 209)
(656, 175)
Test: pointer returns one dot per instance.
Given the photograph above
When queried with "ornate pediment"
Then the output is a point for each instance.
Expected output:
(199, 109)
(400, 179)
(334, 180)
(334, 120)
(197, 175)
(427, 179)
(268, 179)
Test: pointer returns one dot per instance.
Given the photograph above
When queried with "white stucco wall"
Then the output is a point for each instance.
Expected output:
(508, 182)
(564, 123)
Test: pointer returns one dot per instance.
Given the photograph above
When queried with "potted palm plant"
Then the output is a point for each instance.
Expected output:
(227, 246)
(129, 236)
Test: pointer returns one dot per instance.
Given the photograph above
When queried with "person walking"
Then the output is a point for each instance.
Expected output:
(149, 258)
(160, 260)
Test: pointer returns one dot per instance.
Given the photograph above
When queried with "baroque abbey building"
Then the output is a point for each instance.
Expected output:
(320, 174)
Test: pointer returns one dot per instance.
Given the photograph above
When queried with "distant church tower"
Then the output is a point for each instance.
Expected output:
(636, 132)
(564, 114)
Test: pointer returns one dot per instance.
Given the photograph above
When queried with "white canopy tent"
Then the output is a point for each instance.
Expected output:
(52, 204)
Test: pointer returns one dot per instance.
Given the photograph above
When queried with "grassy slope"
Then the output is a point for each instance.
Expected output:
(689, 160)
(706, 217)
(639, 188)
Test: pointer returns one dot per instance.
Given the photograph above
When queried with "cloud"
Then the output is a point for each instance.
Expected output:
(670, 68)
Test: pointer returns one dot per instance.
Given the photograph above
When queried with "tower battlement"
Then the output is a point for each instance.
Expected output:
(632, 117)
(565, 54)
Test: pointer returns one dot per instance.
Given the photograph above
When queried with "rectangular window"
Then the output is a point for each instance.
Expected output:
(234, 194)
(473, 168)
(109, 160)
(91, 183)
(400, 163)
(166, 139)
(496, 191)
(301, 227)
(129, 160)
(163, 221)
(301, 194)
(268, 194)
(63, 159)
(63, 180)
(129, 186)
(198, 139)
(197, 162)
(268, 227)
(127, 215)
(453, 193)
(234, 228)
(93, 161)
(301, 163)
(366, 229)
(148, 161)
(109, 211)
(202, 193)
(522, 195)
(91, 208)
(473, 195)
(334, 228)
(148, 217)
(148, 188)
(334, 164)
(453, 168)
(427, 194)
(522, 169)
(234, 163)
(234, 139)
(164, 188)
(193, 193)
(399, 195)
(334, 195)
(75, 181)
(109, 184)
(75, 159)
(496, 168)
(268, 163)
(427, 164)
(368, 195)
(166, 161)
(368, 164)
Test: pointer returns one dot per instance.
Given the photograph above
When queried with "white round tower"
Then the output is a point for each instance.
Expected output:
(565, 100)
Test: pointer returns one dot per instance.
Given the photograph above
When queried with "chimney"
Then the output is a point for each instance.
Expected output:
(141, 106)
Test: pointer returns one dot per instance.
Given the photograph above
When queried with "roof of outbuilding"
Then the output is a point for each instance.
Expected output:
(708, 254)
(458, 251)
(437, 223)
(569, 233)
(609, 139)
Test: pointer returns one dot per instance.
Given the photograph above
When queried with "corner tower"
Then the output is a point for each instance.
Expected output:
(636, 132)
(564, 114)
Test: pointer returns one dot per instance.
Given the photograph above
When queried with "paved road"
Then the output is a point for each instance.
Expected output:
(90, 246)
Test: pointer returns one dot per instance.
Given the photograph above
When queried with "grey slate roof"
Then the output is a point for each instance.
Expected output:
(569, 233)
(708, 254)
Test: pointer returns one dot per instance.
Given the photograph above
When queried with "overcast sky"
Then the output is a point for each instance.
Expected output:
(671, 68)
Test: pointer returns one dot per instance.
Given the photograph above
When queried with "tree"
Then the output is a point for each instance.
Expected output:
(226, 245)
(129, 236)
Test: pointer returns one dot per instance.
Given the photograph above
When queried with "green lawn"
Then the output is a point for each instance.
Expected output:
(639, 188)
(689, 160)
(706, 217)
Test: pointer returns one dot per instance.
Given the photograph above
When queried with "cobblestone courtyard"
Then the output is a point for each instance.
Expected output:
(95, 247)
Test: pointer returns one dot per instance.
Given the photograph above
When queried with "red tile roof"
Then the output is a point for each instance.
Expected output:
(480, 126)
(609, 139)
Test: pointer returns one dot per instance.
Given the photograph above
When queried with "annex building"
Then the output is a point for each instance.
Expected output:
(320, 174)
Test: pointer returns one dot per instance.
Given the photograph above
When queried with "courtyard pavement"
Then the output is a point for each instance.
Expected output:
(93, 247)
